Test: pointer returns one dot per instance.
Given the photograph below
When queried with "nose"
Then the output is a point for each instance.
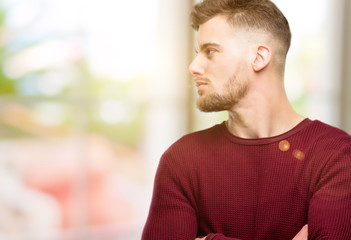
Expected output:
(196, 67)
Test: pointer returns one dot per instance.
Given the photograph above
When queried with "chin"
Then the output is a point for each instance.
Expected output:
(214, 103)
(204, 107)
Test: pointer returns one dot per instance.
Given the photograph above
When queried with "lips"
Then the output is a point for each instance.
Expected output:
(200, 83)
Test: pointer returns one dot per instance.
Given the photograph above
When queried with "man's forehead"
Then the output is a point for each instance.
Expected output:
(219, 31)
(216, 28)
(216, 24)
(214, 32)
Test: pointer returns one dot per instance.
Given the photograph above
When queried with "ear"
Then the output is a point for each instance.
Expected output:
(263, 57)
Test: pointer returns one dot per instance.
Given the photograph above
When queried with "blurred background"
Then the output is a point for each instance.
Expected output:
(92, 92)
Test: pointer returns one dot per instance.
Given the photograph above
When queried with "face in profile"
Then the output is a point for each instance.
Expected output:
(221, 66)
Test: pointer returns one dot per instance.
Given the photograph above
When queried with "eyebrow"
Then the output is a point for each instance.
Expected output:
(207, 45)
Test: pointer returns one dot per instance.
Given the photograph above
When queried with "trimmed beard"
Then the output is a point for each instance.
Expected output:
(214, 102)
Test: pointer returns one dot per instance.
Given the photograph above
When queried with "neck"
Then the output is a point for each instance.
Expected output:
(262, 115)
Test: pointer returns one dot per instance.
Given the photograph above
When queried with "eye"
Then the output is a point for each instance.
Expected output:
(210, 52)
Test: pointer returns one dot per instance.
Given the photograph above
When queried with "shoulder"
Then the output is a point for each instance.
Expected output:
(329, 145)
(199, 138)
(195, 145)
(329, 136)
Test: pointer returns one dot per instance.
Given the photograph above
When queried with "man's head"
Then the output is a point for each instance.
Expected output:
(253, 15)
(236, 40)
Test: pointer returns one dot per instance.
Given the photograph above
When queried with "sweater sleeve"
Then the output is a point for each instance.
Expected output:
(329, 215)
(171, 215)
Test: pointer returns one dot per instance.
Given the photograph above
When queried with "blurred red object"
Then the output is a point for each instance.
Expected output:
(84, 185)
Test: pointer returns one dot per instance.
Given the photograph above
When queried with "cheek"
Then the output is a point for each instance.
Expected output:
(221, 68)
(225, 70)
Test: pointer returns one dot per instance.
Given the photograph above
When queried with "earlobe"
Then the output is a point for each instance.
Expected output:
(262, 58)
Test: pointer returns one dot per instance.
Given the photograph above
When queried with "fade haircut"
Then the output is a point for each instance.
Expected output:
(262, 15)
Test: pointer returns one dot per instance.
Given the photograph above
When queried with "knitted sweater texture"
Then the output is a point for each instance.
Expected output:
(211, 183)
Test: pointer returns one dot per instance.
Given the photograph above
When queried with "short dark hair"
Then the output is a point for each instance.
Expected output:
(252, 14)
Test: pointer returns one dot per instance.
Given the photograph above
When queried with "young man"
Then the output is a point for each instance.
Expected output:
(267, 172)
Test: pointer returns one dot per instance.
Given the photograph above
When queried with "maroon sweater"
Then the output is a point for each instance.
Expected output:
(211, 183)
